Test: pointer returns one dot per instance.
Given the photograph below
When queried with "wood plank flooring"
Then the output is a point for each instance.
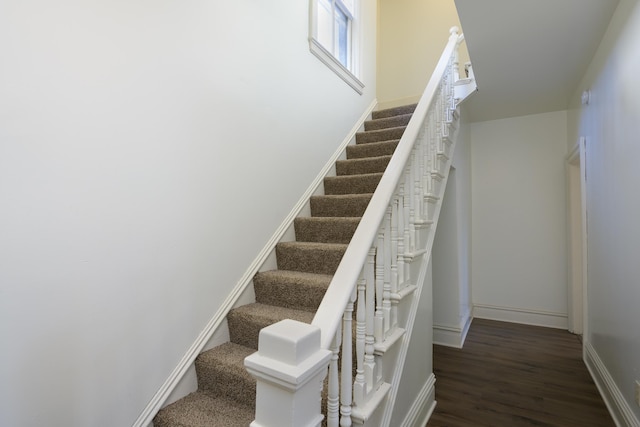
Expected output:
(511, 375)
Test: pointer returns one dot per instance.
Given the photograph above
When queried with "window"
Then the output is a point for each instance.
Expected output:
(334, 38)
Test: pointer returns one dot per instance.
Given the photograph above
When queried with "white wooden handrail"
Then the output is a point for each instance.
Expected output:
(330, 313)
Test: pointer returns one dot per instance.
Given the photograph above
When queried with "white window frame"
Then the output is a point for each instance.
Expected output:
(351, 73)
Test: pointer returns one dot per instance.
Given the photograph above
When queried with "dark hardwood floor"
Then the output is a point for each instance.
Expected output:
(511, 375)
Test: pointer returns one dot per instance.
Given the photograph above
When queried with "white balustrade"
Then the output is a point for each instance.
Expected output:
(375, 271)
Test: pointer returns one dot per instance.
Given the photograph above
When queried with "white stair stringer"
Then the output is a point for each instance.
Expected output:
(395, 356)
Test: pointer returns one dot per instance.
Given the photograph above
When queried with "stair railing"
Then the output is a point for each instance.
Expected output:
(375, 270)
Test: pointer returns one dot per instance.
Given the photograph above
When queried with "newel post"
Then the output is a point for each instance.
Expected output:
(289, 367)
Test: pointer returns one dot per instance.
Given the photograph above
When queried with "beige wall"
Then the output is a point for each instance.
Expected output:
(411, 37)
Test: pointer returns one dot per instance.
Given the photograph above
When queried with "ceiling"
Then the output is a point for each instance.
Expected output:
(529, 55)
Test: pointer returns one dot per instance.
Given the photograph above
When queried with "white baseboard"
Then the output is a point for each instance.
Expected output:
(451, 336)
(422, 408)
(520, 315)
(619, 408)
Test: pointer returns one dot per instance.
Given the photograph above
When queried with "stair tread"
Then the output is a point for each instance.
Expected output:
(372, 149)
(314, 245)
(388, 122)
(371, 136)
(353, 177)
(331, 229)
(311, 257)
(352, 184)
(291, 289)
(229, 354)
(394, 111)
(270, 312)
(362, 165)
(329, 219)
(201, 409)
(340, 204)
(221, 372)
(296, 275)
(245, 322)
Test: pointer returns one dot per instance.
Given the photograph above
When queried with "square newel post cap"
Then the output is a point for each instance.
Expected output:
(289, 354)
(289, 341)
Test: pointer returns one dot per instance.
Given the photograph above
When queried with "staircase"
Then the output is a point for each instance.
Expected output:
(226, 392)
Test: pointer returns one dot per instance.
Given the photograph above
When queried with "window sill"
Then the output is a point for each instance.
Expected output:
(330, 61)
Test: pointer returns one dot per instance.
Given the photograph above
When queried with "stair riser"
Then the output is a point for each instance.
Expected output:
(389, 112)
(335, 230)
(385, 148)
(338, 207)
(362, 166)
(226, 381)
(379, 135)
(288, 295)
(388, 122)
(245, 331)
(396, 111)
(245, 324)
(311, 261)
(359, 184)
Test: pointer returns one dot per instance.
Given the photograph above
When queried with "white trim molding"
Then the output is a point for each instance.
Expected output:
(619, 408)
(424, 405)
(334, 65)
(521, 315)
(451, 336)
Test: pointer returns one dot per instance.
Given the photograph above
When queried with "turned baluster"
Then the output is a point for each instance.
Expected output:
(346, 393)
(333, 391)
(359, 388)
(369, 340)
(379, 318)
(386, 288)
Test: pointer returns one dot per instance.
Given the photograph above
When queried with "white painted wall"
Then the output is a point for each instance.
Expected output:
(519, 262)
(452, 250)
(611, 127)
(415, 395)
(148, 150)
(411, 36)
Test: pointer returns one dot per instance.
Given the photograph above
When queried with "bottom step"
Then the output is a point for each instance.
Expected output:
(203, 410)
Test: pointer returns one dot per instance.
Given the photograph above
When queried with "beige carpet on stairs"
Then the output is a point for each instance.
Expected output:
(226, 392)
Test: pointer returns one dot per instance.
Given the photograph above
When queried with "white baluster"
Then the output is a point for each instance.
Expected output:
(346, 386)
(369, 340)
(333, 397)
(400, 216)
(394, 259)
(412, 203)
(424, 168)
(386, 289)
(359, 388)
(417, 189)
(407, 227)
(379, 318)
(455, 65)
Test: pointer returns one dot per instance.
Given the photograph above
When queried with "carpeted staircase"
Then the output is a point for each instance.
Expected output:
(226, 392)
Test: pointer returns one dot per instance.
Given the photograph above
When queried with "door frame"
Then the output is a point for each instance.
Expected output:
(576, 174)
